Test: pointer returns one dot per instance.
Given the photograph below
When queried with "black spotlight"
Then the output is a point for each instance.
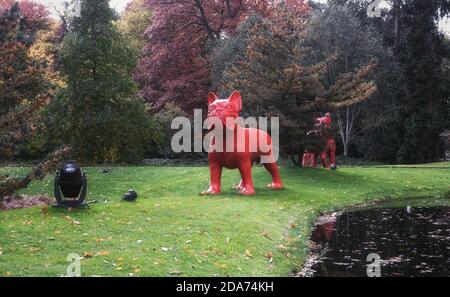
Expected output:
(131, 195)
(70, 186)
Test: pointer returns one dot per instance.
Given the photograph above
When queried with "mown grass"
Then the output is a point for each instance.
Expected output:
(171, 230)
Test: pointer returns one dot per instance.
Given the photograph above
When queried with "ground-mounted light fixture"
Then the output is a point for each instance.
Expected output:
(70, 186)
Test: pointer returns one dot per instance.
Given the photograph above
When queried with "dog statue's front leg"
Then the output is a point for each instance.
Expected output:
(215, 170)
(247, 188)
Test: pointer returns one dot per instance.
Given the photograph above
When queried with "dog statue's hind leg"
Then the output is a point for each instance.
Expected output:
(276, 179)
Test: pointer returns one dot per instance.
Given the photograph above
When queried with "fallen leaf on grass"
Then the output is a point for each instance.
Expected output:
(44, 210)
(71, 221)
(220, 265)
(102, 239)
(269, 255)
(28, 223)
(88, 255)
(266, 235)
(293, 225)
(248, 253)
(102, 253)
(137, 270)
(120, 259)
(175, 272)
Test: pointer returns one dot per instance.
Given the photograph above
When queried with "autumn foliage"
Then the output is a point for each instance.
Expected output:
(24, 88)
(277, 77)
(175, 64)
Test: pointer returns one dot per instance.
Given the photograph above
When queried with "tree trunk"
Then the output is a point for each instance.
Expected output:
(204, 21)
(345, 130)
(396, 28)
(345, 149)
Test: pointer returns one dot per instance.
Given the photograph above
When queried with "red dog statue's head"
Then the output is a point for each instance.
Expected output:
(224, 108)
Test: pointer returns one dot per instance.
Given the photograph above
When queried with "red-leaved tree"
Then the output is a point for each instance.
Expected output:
(36, 14)
(24, 89)
(174, 65)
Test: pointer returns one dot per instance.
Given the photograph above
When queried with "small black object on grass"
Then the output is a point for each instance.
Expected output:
(131, 195)
(70, 186)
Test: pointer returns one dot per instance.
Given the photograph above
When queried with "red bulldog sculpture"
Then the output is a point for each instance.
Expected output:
(234, 158)
(328, 156)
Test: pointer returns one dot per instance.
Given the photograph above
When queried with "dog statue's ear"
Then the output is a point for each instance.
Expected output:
(211, 98)
(236, 100)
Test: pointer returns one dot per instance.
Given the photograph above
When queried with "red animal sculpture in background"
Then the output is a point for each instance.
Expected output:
(309, 159)
(230, 156)
(328, 156)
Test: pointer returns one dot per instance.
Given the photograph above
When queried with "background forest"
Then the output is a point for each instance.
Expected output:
(103, 87)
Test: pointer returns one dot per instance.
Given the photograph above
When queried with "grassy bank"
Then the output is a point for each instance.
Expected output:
(171, 230)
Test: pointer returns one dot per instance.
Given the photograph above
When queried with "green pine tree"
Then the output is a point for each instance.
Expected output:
(424, 110)
(99, 115)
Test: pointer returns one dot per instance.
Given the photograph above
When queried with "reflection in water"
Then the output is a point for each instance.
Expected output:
(410, 242)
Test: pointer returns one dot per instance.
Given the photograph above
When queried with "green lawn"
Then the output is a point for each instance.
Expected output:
(171, 230)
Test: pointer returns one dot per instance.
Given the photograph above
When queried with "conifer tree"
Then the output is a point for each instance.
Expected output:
(100, 117)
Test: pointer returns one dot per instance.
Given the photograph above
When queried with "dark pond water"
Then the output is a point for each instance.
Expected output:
(409, 241)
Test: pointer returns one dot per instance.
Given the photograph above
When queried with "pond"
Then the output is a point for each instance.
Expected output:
(401, 241)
